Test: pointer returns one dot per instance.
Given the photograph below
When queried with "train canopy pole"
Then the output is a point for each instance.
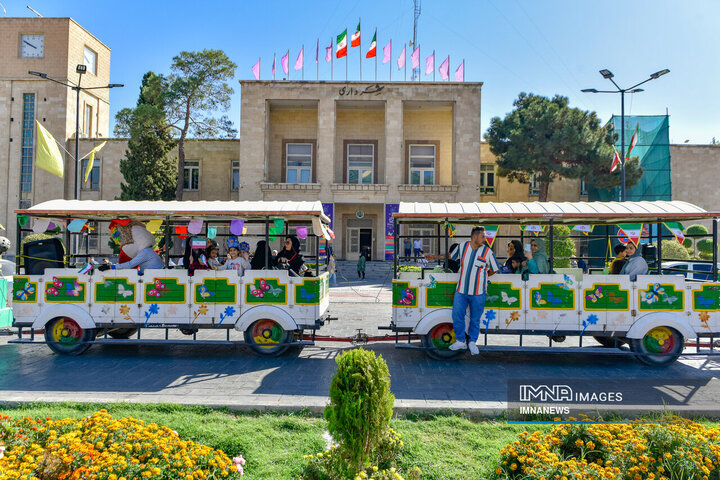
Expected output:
(715, 249)
(66, 260)
(447, 241)
(659, 246)
(552, 253)
(437, 245)
(18, 252)
(317, 254)
(267, 244)
(395, 248)
(167, 241)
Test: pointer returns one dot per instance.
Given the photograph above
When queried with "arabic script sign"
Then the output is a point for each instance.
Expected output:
(350, 91)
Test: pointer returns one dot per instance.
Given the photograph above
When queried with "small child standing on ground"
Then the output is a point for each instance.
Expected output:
(361, 266)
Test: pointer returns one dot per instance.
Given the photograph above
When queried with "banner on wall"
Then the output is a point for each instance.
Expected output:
(390, 208)
(328, 210)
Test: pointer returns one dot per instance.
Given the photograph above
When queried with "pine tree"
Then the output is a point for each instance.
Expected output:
(148, 171)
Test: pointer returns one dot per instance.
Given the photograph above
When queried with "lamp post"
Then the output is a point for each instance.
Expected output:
(80, 69)
(622, 91)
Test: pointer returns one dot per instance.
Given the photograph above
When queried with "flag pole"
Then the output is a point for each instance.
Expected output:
(347, 55)
(274, 65)
(448, 60)
(360, 46)
(332, 58)
(259, 68)
(405, 65)
(317, 59)
(433, 65)
(303, 64)
(288, 57)
(391, 60)
(376, 54)
(463, 64)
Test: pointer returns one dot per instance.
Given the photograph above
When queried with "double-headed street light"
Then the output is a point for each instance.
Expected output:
(80, 69)
(622, 91)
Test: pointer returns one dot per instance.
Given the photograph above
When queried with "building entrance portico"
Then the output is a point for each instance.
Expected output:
(358, 239)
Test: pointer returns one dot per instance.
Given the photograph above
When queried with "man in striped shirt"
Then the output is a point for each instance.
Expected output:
(477, 262)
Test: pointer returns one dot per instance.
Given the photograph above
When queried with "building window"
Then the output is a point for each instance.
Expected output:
(28, 144)
(534, 188)
(235, 176)
(298, 168)
(93, 181)
(90, 60)
(191, 175)
(360, 158)
(87, 121)
(422, 164)
(583, 187)
(487, 178)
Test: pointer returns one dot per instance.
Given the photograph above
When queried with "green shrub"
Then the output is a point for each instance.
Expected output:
(691, 242)
(671, 249)
(361, 405)
(705, 248)
(563, 246)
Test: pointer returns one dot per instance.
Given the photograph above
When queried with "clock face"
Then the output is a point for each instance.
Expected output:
(32, 46)
(90, 60)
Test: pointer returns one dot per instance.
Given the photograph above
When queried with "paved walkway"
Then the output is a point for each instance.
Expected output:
(232, 376)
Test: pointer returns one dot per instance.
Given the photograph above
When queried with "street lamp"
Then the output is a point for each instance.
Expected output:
(80, 69)
(622, 91)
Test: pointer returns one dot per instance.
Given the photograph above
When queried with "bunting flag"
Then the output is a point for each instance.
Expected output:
(355, 39)
(415, 58)
(153, 226)
(677, 229)
(372, 52)
(586, 229)
(460, 72)
(237, 227)
(76, 225)
(536, 229)
(633, 140)
(341, 48)
(255, 70)
(491, 233)
(195, 226)
(401, 59)
(300, 59)
(615, 162)
(633, 231)
(445, 69)
(387, 51)
(284, 62)
(430, 64)
(1, 227)
(212, 232)
(328, 53)
(91, 160)
(273, 67)
(450, 229)
(301, 232)
(48, 155)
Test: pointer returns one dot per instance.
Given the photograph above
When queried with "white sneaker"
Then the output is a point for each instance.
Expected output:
(474, 350)
(458, 346)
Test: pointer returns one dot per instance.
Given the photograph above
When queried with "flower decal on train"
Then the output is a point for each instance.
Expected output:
(229, 312)
(591, 320)
(490, 315)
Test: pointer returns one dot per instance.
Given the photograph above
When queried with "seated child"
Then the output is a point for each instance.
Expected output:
(213, 261)
(620, 260)
(238, 256)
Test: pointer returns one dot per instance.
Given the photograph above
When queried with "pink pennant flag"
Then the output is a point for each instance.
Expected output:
(401, 59)
(387, 49)
(256, 70)
(430, 64)
(445, 69)
(273, 67)
(284, 62)
(195, 226)
(415, 58)
(300, 59)
(301, 232)
(460, 72)
(328, 53)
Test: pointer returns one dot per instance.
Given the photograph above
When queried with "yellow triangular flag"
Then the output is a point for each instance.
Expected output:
(153, 225)
(48, 156)
(91, 160)
(1, 227)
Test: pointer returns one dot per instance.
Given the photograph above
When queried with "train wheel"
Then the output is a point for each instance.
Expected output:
(122, 333)
(609, 342)
(267, 337)
(65, 336)
(660, 347)
(438, 340)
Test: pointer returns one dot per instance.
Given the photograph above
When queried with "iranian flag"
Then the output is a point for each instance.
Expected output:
(355, 39)
(341, 48)
(586, 229)
(372, 52)
(677, 229)
(633, 231)
(615, 162)
(491, 233)
(633, 140)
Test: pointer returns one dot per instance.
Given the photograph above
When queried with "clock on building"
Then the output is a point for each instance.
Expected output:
(90, 61)
(32, 45)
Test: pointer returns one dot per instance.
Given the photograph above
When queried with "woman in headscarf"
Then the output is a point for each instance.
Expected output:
(262, 258)
(514, 247)
(290, 255)
(636, 264)
(537, 259)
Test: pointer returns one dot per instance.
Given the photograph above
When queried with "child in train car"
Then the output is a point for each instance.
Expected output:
(238, 256)
(619, 262)
(198, 259)
(213, 253)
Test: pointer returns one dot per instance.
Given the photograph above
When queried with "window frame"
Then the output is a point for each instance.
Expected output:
(194, 166)
(408, 170)
(533, 186)
(27, 150)
(234, 166)
(87, 120)
(95, 56)
(486, 189)
(313, 159)
(97, 166)
(346, 160)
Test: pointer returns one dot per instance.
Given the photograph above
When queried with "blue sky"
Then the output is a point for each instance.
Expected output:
(544, 47)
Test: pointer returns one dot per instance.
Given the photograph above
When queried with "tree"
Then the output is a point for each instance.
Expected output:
(197, 87)
(692, 234)
(546, 138)
(148, 171)
(563, 246)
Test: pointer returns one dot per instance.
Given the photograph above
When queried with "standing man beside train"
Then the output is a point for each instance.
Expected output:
(477, 262)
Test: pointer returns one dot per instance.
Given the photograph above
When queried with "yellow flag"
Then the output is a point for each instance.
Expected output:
(48, 157)
(1, 227)
(91, 160)
(153, 225)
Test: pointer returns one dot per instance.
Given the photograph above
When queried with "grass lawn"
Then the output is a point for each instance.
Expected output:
(445, 447)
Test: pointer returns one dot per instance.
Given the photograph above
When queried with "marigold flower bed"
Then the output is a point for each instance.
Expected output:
(101, 447)
(673, 449)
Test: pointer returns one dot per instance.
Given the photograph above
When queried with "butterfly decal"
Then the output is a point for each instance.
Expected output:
(26, 291)
(595, 296)
(124, 292)
(433, 282)
(258, 293)
(204, 293)
(553, 300)
(407, 297)
(567, 282)
(653, 294)
(507, 298)
(611, 297)
(57, 283)
(491, 298)
(52, 291)
(159, 289)
(274, 291)
(704, 302)
(74, 289)
(669, 299)
(307, 296)
(264, 285)
(538, 299)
